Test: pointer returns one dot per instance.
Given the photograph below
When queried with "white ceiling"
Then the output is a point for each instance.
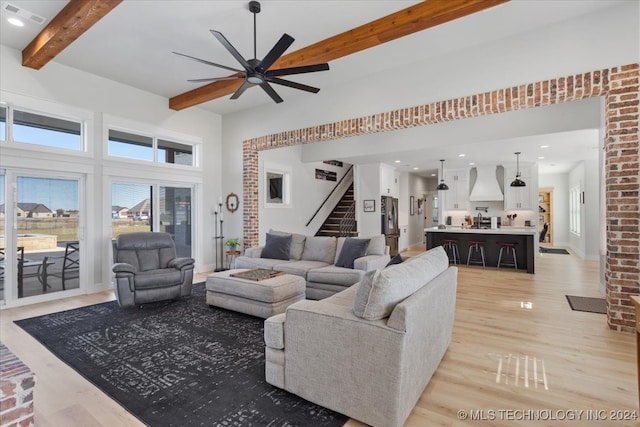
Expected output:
(133, 43)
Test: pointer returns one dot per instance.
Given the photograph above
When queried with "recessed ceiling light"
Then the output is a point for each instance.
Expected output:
(415, 169)
(540, 157)
(544, 146)
(15, 21)
(472, 163)
(433, 174)
(397, 161)
(461, 155)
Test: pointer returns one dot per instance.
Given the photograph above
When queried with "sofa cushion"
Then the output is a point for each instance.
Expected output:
(379, 291)
(298, 268)
(335, 275)
(352, 249)
(297, 243)
(377, 245)
(152, 279)
(276, 247)
(249, 262)
(395, 260)
(319, 248)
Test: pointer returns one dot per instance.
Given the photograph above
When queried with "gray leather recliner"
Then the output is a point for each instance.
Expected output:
(146, 269)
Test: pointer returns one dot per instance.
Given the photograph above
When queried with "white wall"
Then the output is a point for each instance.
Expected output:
(558, 50)
(586, 245)
(307, 192)
(367, 186)
(71, 89)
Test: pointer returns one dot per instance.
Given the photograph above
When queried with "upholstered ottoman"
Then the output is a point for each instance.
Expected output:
(263, 298)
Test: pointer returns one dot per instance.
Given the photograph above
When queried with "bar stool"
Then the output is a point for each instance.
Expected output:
(477, 247)
(451, 248)
(511, 248)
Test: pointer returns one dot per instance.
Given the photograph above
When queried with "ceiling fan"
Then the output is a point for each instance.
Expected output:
(257, 72)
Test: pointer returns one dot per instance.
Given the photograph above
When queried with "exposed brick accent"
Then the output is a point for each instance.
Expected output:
(619, 86)
(16, 390)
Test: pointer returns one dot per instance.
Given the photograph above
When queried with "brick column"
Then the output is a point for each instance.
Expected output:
(16, 390)
(622, 187)
(250, 194)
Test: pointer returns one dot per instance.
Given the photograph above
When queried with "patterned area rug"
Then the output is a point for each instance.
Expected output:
(179, 363)
(589, 304)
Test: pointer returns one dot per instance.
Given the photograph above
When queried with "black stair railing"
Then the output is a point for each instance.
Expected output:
(330, 194)
(348, 222)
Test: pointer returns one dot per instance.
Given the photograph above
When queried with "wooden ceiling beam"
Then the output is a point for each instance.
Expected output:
(72, 21)
(421, 16)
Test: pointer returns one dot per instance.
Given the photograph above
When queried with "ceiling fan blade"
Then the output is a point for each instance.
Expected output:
(275, 52)
(272, 93)
(232, 50)
(246, 85)
(297, 70)
(215, 79)
(208, 62)
(293, 84)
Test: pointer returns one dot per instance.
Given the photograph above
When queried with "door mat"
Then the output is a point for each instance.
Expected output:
(553, 251)
(591, 305)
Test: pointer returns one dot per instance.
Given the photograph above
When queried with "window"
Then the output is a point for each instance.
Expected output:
(3, 123)
(277, 188)
(175, 152)
(149, 148)
(39, 129)
(574, 210)
(129, 145)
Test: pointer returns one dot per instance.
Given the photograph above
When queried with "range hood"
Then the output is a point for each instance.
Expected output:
(486, 188)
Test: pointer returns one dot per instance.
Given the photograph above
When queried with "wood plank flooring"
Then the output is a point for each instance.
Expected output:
(518, 354)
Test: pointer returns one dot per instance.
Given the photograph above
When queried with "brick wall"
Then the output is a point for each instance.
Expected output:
(16, 391)
(619, 86)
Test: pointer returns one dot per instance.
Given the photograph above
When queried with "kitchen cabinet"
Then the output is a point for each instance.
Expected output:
(520, 198)
(457, 196)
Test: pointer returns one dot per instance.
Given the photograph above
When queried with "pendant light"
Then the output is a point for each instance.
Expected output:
(518, 182)
(442, 185)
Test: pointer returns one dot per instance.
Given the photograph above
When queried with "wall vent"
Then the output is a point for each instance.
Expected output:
(23, 13)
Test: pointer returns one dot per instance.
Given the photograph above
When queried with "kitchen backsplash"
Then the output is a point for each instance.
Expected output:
(494, 209)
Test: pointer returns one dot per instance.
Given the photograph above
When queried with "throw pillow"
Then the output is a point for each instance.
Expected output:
(351, 250)
(276, 247)
(395, 260)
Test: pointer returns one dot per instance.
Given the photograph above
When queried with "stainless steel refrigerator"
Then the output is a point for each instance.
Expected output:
(389, 215)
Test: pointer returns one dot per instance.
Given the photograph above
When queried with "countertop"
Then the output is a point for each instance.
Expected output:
(503, 230)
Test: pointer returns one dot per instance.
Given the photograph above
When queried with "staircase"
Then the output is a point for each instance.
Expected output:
(341, 221)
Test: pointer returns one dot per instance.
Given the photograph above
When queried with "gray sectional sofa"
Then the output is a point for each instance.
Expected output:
(315, 259)
(369, 351)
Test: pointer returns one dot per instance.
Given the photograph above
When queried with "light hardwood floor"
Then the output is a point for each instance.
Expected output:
(517, 346)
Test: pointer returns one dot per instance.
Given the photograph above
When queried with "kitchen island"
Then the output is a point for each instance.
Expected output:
(525, 237)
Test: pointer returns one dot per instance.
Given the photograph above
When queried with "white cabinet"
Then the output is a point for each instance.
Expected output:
(457, 196)
(520, 198)
(389, 182)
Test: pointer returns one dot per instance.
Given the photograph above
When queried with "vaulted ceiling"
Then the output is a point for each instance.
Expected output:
(131, 42)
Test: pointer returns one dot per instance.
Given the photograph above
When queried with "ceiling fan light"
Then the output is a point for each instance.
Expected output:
(255, 79)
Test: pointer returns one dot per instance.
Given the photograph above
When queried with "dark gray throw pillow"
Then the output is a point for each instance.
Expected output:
(352, 249)
(277, 247)
(395, 260)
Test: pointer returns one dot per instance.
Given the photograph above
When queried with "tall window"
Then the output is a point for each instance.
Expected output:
(130, 208)
(574, 210)
(3, 123)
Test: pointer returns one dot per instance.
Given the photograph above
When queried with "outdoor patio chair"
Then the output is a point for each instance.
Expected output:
(69, 268)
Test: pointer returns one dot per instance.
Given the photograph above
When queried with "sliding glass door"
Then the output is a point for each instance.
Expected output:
(41, 254)
(153, 207)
